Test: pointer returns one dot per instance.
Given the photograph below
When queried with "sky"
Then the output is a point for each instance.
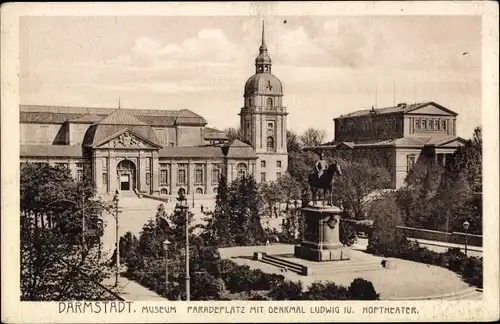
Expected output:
(329, 65)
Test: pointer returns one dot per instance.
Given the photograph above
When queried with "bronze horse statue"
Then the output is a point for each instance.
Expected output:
(325, 182)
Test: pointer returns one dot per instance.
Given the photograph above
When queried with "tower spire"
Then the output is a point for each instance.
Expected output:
(119, 103)
(263, 61)
(263, 46)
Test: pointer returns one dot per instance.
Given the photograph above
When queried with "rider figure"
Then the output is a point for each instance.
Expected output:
(321, 166)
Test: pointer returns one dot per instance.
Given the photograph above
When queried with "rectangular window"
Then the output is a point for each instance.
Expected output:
(278, 174)
(436, 124)
(181, 176)
(270, 125)
(263, 177)
(424, 123)
(148, 163)
(163, 177)
(198, 176)
(62, 165)
(278, 164)
(104, 178)
(215, 174)
(417, 124)
(79, 175)
(410, 162)
(79, 171)
(262, 164)
(431, 124)
(443, 124)
(148, 179)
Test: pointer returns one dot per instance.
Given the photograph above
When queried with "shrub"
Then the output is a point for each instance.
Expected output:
(206, 287)
(287, 290)
(327, 291)
(259, 295)
(361, 289)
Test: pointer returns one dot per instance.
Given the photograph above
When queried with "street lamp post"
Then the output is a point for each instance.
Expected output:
(183, 206)
(116, 199)
(165, 246)
(466, 225)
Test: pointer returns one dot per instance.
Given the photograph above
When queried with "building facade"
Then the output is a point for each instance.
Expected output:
(396, 137)
(161, 151)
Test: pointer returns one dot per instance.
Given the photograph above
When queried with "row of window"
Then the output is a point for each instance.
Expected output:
(430, 123)
(269, 101)
(198, 191)
(263, 164)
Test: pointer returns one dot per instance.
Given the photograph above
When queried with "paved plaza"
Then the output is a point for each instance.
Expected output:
(408, 280)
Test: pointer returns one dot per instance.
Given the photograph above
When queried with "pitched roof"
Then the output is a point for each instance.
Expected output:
(97, 134)
(418, 141)
(212, 133)
(51, 151)
(61, 114)
(239, 150)
(403, 107)
(86, 119)
(120, 117)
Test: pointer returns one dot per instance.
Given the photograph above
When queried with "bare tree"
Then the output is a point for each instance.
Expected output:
(313, 137)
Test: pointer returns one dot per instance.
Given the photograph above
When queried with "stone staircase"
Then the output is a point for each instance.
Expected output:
(348, 266)
(320, 268)
(284, 264)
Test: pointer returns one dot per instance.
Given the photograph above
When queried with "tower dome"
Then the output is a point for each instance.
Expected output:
(263, 81)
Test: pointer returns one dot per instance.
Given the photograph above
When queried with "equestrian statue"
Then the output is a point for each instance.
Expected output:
(323, 178)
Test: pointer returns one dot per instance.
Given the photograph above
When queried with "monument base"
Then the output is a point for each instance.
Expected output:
(321, 255)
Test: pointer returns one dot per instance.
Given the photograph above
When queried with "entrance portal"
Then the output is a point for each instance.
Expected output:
(125, 182)
(126, 175)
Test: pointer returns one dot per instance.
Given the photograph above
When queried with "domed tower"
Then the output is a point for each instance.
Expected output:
(263, 118)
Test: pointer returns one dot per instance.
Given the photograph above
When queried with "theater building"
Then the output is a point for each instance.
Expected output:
(161, 151)
(396, 137)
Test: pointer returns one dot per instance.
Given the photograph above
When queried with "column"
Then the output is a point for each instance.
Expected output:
(113, 181)
(173, 178)
(141, 173)
(209, 178)
(205, 177)
(155, 172)
(190, 177)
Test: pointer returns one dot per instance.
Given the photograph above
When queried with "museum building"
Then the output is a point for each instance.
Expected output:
(396, 137)
(162, 151)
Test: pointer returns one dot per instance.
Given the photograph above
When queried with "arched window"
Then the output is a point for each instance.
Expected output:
(215, 190)
(163, 191)
(199, 191)
(270, 144)
(269, 103)
(182, 190)
(242, 169)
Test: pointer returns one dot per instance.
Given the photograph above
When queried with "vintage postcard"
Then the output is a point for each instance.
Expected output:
(249, 162)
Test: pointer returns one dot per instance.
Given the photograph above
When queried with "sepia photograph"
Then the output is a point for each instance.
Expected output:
(257, 156)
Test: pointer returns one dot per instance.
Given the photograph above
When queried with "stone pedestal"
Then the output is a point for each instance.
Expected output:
(322, 237)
